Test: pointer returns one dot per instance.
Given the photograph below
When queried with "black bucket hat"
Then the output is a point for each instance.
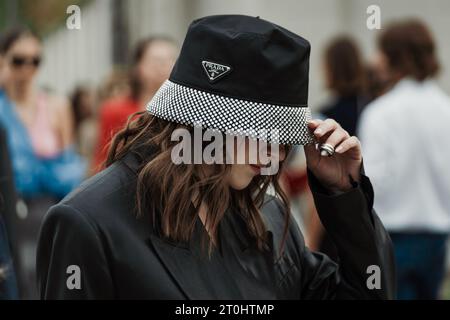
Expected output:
(240, 75)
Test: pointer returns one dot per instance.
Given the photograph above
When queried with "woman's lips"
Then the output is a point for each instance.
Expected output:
(256, 168)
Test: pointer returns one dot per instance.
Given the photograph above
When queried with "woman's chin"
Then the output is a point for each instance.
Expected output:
(241, 184)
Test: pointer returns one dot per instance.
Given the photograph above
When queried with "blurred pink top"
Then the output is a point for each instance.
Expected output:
(44, 139)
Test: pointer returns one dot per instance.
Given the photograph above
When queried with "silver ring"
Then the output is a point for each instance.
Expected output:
(326, 150)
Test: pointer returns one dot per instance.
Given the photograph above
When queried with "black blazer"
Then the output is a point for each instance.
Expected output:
(8, 197)
(120, 257)
(8, 285)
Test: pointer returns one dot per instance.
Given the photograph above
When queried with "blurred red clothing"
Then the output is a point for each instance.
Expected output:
(113, 116)
(295, 181)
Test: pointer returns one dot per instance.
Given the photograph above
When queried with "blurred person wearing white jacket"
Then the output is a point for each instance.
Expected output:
(412, 184)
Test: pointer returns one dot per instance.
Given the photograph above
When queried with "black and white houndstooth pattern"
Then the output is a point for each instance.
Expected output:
(271, 123)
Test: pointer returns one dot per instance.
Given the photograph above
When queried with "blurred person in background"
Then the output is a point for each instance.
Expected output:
(344, 73)
(152, 61)
(85, 133)
(412, 184)
(39, 130)
(8, 285)
(345, 78)
(115, 86)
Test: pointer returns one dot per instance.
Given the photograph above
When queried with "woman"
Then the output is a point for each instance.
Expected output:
(153, 227)
(39, 131)
(153, 58)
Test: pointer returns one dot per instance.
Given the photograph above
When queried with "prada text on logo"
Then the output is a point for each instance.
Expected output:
(214, 71)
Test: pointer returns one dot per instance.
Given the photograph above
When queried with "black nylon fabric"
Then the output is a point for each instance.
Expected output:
(269, 64)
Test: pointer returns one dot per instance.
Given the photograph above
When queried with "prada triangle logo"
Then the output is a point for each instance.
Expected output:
(214, 70)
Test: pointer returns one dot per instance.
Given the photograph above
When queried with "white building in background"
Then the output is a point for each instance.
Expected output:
(85, 56)
(73, 57)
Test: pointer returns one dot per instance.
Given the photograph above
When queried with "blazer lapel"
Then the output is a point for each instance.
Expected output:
(197, 275)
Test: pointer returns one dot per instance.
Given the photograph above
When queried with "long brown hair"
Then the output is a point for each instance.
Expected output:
(165, 189)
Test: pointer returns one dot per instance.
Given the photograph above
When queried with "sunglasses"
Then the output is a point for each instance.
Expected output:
(20, 61)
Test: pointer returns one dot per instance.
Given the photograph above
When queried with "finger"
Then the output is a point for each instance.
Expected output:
(313, 123)
(350, 143)
(336, 137)
(310, 148)
(325, 127)
(311, 153)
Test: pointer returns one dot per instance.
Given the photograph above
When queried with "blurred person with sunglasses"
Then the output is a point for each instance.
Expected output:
(40, 139)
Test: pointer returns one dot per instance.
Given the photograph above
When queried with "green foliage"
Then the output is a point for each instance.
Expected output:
(43, 16)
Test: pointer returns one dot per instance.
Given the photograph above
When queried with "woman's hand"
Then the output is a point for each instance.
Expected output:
(333, 172)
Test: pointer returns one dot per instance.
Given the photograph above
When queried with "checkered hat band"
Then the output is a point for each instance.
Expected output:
(268, 122)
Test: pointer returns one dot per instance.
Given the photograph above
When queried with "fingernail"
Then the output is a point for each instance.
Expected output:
(318, 131)
(338, 149)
